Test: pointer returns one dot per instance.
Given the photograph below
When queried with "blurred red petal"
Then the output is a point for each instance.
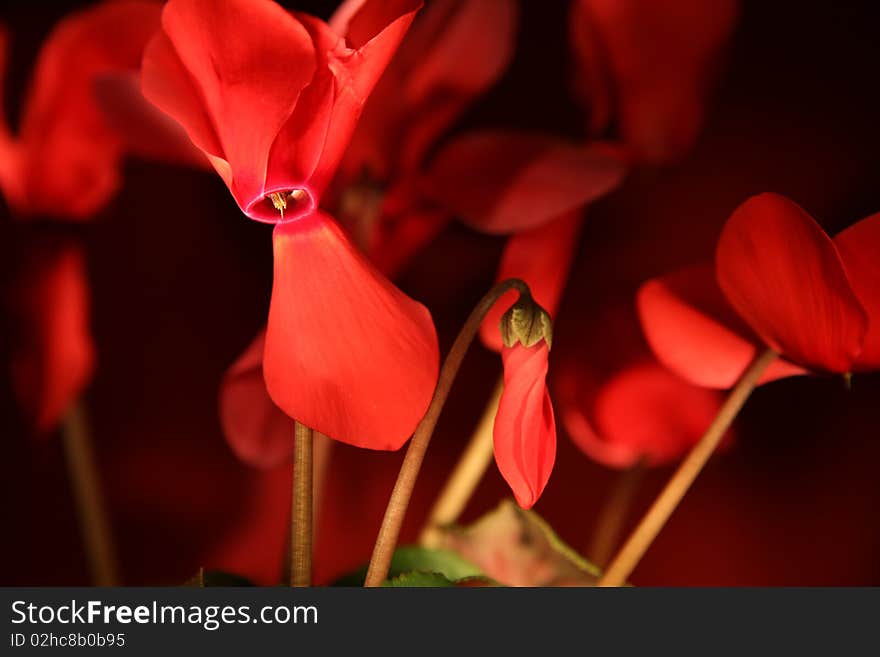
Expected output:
(525, 180)
(347, 353)
(658, 57)
(54, 356)
(783, 275)
(643, 411)
(67, 155)
(146, 131)
(859, 247)
(542, 258)
(695, 333)
(525, 431)
(446, 60)
(257, 430)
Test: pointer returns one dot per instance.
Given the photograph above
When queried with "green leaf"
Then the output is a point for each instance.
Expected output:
(411, 558)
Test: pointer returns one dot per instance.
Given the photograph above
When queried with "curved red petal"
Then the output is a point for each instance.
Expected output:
(54, 357)
(781, 272)
(525, 430)
(145, 131)
(695, 333)
(257, 430)
(68, 153)
(542, 258)
(236, 69)
(525, 180)
(641, 412)
(859, 246)
(347, 353)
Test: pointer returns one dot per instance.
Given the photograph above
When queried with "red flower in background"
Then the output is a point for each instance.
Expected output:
(781, 282)
(272, 99)
(64, 161)
(54, 357)
(618, 404)
(64, 164)
(446, 61)
(645, 66)
(525, 430)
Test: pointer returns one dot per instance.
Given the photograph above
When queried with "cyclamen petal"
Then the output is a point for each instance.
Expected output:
(55, 356)
(695, 333)
(642, 412)
(783, 275)
(257, 430)
(859, 247)
(347, 353)
(525, 429)
(522, 180)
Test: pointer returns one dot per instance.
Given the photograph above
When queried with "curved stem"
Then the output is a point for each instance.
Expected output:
(466, 476)
(614, 512)
(301, 508)
(92, 513)
(418, 445)
(665, 504)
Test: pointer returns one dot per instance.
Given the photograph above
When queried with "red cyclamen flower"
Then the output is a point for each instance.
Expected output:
(779, 280)
(272, 98)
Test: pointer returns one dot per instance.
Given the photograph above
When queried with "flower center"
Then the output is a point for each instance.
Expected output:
(282, 200)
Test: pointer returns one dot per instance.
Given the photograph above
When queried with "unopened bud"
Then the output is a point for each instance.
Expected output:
(527, 323)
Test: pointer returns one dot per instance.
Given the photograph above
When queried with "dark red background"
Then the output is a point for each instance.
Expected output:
(181, 283)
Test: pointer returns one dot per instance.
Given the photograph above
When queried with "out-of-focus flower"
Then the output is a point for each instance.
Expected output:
(525, 429)
(781, 283)
(63, 164)
(645, 66)
(618, 404)
(64, 161)
(54, 356)
(345, 353)
(445, 62)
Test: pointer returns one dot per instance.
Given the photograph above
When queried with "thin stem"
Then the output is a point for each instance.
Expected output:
(301, 508)
(86, 485)
(612, 516)
(662, 508)
(418, 445)
(466, 476)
